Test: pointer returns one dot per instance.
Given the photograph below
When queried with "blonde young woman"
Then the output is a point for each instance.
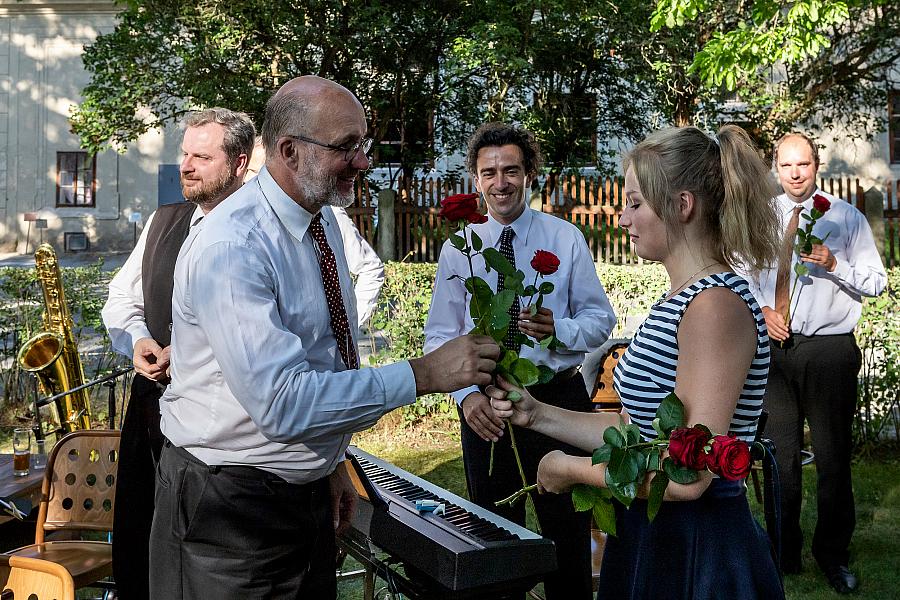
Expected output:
(701, 206)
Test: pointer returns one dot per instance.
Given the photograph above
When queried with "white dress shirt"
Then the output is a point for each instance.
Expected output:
(257, 378)
(364, 265)
(829, 303)
(582, 314)
(123, 313)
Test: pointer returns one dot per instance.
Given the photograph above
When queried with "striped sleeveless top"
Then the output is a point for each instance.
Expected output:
(645, 373)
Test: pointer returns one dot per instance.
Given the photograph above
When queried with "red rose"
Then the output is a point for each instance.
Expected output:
(545, 263)
(460, 207)
(477, 217)
(821, 203)
(686, 447)
(729, 457)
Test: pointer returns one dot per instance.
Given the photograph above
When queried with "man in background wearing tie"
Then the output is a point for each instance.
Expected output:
(266, 390)
(215, 152)
(503, 160)
(815, 359)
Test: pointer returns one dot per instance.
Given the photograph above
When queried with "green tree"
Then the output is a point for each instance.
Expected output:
(166, 57)
(822, 63)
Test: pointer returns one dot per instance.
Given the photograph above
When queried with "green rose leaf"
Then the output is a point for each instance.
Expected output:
(653, 456)
(513, 396)
(624, 492)
(602, 454)
(801, 269)
(670, 413)
(525, 371)
(458, 241)
(530, 291)
(632, 433)
(624, 466)
(813, 240)
(612, 437)
(499, 323)
(503, 300)
(584, 496)
(545, 374)
(657, 492)
(477, 244)
(605, 517)
(506, 360)
(679, 474)
(658, 428)
(497, 261)
(546, 287)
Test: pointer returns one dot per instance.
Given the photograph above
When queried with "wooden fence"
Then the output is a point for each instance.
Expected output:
(593, 204)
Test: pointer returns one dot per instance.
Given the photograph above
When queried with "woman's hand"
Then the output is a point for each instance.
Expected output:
(554, 472)
(522, 412)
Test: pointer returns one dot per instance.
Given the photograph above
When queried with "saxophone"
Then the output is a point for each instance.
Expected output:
(52, 354)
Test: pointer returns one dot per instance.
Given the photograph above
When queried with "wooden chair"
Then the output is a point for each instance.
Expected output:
(77, 496)
(32, 579)
(604, 396)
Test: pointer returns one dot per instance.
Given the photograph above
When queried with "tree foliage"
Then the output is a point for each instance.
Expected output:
(822, 63)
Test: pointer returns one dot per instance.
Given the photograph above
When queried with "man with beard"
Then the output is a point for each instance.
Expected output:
(265, 390)
(364, 264)
(215, 153)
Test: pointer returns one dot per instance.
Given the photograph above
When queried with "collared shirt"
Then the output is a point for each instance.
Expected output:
(829, 303)
(257, 378)
(582, 314)
(364, 264)
(123, 313)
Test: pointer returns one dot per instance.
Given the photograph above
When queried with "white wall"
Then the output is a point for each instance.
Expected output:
(41, 75)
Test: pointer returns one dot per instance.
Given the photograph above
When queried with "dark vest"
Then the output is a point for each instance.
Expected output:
(167, 232)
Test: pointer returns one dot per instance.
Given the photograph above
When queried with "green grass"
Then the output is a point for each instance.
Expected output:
(875, 552)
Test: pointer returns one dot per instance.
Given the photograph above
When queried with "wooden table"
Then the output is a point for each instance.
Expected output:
(26, 488)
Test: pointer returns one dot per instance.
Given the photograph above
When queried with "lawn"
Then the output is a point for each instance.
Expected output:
(432, 452)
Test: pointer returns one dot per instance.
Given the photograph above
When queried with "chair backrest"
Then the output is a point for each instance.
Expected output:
(33, 579)
(80, 483)
(604, 396)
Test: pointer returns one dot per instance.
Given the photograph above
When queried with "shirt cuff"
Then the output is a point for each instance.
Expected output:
(137, 331)
(460, 395)
(399, 384)
(841, 270)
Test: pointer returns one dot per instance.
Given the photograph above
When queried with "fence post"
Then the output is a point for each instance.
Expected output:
(875, 216)
(386, 245)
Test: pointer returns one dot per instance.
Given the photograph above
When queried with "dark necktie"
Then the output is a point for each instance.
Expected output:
(340, 325)
(785, 260)
(506, 250)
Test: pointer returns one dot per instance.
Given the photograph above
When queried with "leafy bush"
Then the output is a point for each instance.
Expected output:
(878, 336)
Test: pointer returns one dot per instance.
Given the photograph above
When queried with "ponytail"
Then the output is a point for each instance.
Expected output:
(728, 178)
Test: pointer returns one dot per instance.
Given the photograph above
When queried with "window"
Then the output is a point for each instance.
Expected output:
(76, 181)
(409, 140)
(894, 125)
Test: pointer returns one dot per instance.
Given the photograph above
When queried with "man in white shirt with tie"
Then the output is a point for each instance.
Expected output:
(503, 160)
(362, 260)
(815, 359)
(215, 152)
(265, 390)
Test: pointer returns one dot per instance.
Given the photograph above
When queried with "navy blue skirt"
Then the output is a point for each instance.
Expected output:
(711, 547)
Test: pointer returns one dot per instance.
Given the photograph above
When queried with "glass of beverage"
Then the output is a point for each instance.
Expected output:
(39, 460)
(21, 451)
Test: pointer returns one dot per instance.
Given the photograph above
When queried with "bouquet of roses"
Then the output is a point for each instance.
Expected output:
(490, 310)
(629, 461)
(803, 243)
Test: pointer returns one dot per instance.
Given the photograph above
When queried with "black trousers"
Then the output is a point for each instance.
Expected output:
(569, 530)
(233, 533)
(139, 451)
(814, 379)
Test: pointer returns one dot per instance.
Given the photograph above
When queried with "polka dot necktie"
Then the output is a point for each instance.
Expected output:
(340, 325)
(511, 342)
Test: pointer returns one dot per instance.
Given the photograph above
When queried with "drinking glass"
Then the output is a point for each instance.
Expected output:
(21, 451)
(39, 460)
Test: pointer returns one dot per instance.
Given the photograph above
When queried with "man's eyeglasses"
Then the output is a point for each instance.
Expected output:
(364, 144)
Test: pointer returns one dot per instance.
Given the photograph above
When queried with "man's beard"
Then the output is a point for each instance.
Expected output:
(211, 192)
(321, 189)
